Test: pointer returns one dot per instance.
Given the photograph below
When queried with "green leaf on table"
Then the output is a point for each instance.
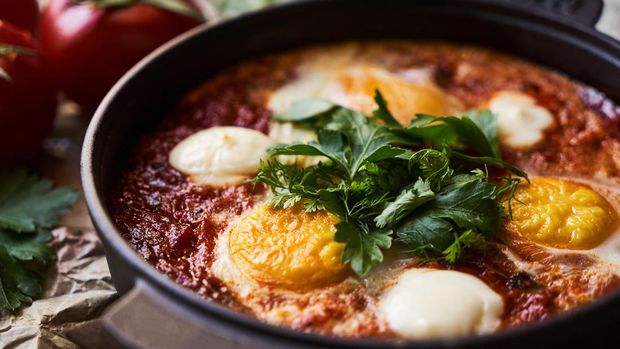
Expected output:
(28, 203)
(24, 259)
(29, 208)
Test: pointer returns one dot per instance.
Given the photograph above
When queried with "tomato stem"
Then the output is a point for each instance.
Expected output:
(17, 50)
(175, 6)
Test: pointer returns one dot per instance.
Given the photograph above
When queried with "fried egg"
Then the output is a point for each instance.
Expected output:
(228, 155)
(288, 248)
(338, 75)
(290, 255)
(562, 214)
(423, 304)
(285, 266)
(570, 216)
(220, 155)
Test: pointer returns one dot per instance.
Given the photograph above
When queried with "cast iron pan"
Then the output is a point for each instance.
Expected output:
(155, 312)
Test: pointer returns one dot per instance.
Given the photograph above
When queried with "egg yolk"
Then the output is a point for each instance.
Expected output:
(405, 99)
(288, 248)
(562, 214)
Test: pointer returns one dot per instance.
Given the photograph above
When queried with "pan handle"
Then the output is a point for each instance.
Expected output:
(587, 12)
(144, 318)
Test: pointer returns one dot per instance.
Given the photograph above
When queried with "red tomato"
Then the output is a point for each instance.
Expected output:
(27, 100)
(90, 47)
(22, 13)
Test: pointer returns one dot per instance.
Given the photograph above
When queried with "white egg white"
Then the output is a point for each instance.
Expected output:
(220, 155)
(429, 303)
(227, 155)
(521, 122)
(284, 307)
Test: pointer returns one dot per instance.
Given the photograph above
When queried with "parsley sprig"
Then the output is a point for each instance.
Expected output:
(425, 185)
(29, 209)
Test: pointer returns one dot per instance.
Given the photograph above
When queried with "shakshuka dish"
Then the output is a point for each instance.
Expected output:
(387, 189)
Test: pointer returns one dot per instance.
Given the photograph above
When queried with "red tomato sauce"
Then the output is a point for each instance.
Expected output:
(173, 223)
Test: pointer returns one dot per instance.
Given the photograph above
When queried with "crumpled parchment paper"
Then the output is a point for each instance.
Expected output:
(81, 287)
(76, 294)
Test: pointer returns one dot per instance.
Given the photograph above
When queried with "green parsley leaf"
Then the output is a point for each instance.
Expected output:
(306, 110)
(477, 130)
(472, 135)
(19, 284)
(490, 161)
(461, 242)
(487, 123)
(407, 201)
(367, 141)
(382, 112)
(364, 140)
(28, 203)
(424, 233)
(382, 178)
(362, 248)
(428, 131)
(28, 247)
(176, 6)
(432, 164)
(29, 208)
(470, 205)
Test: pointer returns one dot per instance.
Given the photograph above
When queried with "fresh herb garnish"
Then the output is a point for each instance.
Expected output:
(29, 209)
(425, 184)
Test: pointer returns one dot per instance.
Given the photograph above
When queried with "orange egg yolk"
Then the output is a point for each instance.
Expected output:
(288, 248)
(405, 99)
(562, 214)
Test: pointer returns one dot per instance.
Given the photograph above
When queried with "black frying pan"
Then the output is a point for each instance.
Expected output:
(155, 312)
